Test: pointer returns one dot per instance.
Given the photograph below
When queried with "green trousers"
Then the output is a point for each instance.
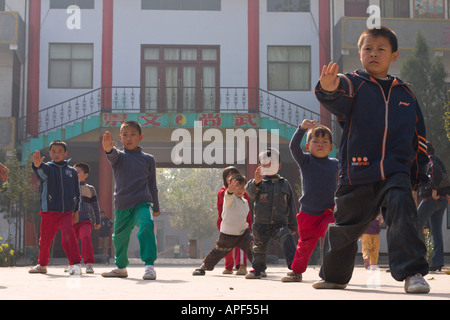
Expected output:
(124, 222)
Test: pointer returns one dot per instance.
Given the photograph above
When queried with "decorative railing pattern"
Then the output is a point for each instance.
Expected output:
(153, 99)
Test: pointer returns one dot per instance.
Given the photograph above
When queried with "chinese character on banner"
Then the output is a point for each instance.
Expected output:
(243, 119)
(208, 119)
(150, 119)
(112, 119)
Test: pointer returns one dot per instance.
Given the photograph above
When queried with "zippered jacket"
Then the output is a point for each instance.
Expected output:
(381, 135)
(59, 188)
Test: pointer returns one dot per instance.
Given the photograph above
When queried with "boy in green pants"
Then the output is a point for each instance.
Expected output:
(135, 198)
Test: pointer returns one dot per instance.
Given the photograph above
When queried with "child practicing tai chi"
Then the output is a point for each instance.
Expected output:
(319, 183)
(274, 212)
(135, 198)
(60, 202)
(83, 227)
(236, 257)
(234, 228)
(382, 156)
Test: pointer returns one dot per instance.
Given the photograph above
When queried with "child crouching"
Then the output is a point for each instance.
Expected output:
(234, 228)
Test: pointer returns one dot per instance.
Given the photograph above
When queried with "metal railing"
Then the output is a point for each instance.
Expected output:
(162, 100)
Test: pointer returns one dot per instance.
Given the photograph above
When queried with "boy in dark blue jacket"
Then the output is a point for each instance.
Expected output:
(382, 157)
(60, 202)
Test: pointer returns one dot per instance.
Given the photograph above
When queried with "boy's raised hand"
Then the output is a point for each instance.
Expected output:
(308, 124)
(37, 159)
(329, 80)
(107, 142)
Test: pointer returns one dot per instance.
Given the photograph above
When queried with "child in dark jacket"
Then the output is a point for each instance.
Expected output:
(60, 202)
(382, 156)
(274, 212)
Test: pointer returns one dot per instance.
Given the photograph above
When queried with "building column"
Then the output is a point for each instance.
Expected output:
(107, 53)
(253, 55)
(105, 182)
(34, 45)
(325, 50)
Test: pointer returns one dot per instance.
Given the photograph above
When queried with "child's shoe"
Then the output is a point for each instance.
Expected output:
(322, 284)
(242, 270)
(150, 273)
(74, 270)
(253, 275)
(292, 277)
(89, 268)
(416, 284)
(38, 269)
(116, 273)
(226, 271)
(199, 272)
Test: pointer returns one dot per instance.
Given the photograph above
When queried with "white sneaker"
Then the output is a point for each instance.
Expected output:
(74, 270)
(416, 284)
(89, 268)
(150, 273)
(116, 273)
(38, 269)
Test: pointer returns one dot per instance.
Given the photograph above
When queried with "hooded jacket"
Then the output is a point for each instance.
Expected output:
(59, 188)
(382, 135)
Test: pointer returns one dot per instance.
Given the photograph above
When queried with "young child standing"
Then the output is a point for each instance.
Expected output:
(382, 155)
(83, 227)
(135, 198)
(370, 243)
(234, 228)
(236, 257)
(274, 212)
(319, 183)
(60, 202)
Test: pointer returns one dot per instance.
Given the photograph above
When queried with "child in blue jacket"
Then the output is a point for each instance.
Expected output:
(382, 157)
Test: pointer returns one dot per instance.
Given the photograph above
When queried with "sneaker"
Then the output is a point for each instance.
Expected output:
(74, 270)
(199, 272)
(253, 275)
(226, 271)
(116, 273)
(150, 273)
(322, 284)
(292, 277)
(242, 270)
(416, 284)
(89, 268)
(38, 269)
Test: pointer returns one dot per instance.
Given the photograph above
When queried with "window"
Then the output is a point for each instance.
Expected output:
(180, 78)
(70, 65)
(356, 8)
(429, 9)
(289, 68)
(64, 4)
(203, 5)
(288, 5)
(394, 8)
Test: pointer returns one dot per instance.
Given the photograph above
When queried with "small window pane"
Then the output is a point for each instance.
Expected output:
(278, 54)
(192, 5)
(209, 54)
(151, 54)
(64, 4)
(171, 54)
(82, 51)
(81, 74)
(171, 5)
(278, 76)
(59, 74)
(188, 54)
(301, 54)
(288, 5)
(60, 51)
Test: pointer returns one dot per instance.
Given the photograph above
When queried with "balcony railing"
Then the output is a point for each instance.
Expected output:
(168, 100)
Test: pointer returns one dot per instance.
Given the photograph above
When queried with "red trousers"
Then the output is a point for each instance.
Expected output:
(51, 222)
(83, 232)
(310, 229)
(236, 258)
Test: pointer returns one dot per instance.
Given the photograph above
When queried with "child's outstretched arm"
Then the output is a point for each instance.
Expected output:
(296, 140)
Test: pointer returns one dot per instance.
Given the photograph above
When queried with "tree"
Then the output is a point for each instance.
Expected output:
(191, 195)
(427, 77)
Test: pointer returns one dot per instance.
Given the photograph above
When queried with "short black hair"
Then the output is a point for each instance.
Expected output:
(83, 166)
(242, 180)
(58, 143)
(132, 123)
(319, 131)
(383, 31)
(226, 172)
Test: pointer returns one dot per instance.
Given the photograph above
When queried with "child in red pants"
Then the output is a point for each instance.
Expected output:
(319, 183)
(60, 202)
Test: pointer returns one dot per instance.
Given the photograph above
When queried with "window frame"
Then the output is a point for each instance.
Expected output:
(309, 88)
(56, 4)
(70, 61)
(146, 6)
(268, 7)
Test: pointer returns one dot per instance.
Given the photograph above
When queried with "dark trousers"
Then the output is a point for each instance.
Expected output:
(225, 244)
(262, 233)
(356, 206)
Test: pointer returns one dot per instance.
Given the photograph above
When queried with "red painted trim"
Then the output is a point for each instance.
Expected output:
(107, 51)
(325, 50)
(253, 53)
(34, 45)
(105, 189)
